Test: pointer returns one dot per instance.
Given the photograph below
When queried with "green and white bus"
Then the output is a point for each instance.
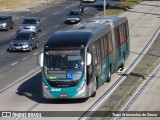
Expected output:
(78, 60)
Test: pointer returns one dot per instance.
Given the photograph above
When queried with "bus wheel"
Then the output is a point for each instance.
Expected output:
(94, 88)
(109, 77)
(122, 65)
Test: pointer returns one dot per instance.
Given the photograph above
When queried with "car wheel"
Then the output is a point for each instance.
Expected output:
(40, 29)
(7, 29)
(30, 48)
(12, 26)
(37, 44)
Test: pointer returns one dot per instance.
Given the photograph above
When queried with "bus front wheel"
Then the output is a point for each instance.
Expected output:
(94, 88)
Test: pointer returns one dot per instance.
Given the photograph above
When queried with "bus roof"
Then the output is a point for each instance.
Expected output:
(83, 33)
(68, 39)
(106, 19)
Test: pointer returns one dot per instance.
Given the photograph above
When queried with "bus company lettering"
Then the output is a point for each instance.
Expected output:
(56, 89)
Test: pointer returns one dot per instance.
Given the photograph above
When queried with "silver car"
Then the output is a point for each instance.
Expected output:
(31, 24)
(24, 41)
(75, 16)
(6, 22)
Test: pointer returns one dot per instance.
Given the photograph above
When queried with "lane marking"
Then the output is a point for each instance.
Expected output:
(42, 35)
(12, 33)
(25, 58)
(55, 13)
(86, 8)
(66, 7)
(43, 18)
(14, 63)
(36, 53)
(56, 26)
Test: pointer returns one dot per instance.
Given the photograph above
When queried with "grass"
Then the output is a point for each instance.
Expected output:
(120, 7)
(7, 4)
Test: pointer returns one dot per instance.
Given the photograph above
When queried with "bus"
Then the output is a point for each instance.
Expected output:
(76, 61)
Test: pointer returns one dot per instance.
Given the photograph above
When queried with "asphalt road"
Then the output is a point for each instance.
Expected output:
(52, 17)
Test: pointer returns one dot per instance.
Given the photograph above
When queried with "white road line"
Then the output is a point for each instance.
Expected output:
(55, 13)
(36, 53)
(86, 8)
(75, 3)
(56, 26)
(66, 7)
(25, 58)
(41, 35)
(12, 33)
(14, 63)
(43, 18)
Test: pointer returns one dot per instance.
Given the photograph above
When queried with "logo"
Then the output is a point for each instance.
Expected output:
(69, 76)
(6, 114)
(56, 89)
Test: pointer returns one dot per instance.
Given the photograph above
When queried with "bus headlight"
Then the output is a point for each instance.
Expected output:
(45, 87)
(81, 86)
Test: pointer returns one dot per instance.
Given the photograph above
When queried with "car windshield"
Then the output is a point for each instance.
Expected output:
(3, 18)
(22, 37)
(74, 13)
(29, 21)
(64, 64)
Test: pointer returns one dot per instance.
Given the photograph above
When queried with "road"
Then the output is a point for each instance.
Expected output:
(25, 93)
(53, 18)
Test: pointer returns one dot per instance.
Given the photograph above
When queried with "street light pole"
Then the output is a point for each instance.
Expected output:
(104, 8)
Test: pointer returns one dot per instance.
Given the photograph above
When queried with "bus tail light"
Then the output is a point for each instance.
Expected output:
(81, 86)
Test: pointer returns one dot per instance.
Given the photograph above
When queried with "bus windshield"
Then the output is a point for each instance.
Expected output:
(64, 65)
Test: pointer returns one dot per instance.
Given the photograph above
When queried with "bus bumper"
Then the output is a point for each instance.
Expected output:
(65, 95)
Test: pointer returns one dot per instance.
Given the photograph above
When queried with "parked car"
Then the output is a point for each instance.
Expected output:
(6, 22)
(31, 24)
(75, 16)
(24, 41)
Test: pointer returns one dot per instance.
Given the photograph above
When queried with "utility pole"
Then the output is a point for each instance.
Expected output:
(104, 8)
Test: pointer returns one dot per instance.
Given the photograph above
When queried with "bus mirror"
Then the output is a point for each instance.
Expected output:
(40, 59)
(89, 59)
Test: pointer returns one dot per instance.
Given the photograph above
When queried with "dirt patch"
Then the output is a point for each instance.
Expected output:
(8, 4)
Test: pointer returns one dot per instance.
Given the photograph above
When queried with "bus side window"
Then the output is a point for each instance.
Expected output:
(121, 33)
(109, 45)
(98, 51)
(117, 37)
(126, 32)
(126, 29)
(94, 54)
(102, 47)
(90, 67)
